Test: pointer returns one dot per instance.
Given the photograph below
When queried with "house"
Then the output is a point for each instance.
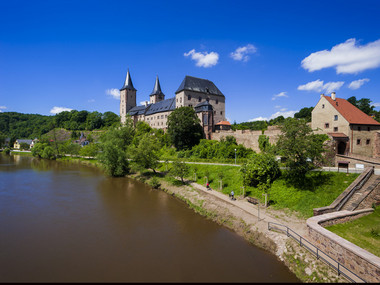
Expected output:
(82, 141)
(352, 131)
(18, 142)
(200, 94)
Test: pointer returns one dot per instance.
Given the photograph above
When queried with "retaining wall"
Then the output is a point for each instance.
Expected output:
(363, 263)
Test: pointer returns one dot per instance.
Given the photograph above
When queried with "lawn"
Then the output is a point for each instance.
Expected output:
(364, 232)
(321, 189)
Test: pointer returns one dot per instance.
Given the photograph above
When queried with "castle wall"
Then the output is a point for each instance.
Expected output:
(248, 138)
(364, 140)
(192, 98)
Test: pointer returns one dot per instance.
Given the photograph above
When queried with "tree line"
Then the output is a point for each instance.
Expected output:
(15, 125)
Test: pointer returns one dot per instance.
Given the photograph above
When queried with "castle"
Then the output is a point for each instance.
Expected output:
(200, 94)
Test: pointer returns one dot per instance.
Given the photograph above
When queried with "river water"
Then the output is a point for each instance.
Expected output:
(65, 222)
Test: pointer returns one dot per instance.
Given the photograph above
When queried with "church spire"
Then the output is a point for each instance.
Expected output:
(128, 83)
(157, 88)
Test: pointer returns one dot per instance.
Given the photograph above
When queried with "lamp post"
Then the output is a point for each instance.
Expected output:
(235, 156)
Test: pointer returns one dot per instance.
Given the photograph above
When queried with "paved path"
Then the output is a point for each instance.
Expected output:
(261, 215)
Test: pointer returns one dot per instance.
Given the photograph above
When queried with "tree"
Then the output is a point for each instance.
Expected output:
(24, 146)
(184, 128)
(113, 149)
(90, 150)
(145, 154)
(264, 143)
(2, 139)
(260, 171)
(304, 113)
(363, 104)
(180, 169)
(302, 149)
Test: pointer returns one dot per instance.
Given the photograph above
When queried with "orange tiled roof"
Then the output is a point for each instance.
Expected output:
(224, 123)
(352, 114)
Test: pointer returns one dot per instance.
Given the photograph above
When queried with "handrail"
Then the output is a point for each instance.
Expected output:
(340, 268)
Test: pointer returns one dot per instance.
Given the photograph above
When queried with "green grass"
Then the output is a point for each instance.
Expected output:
(21, 153)
(321, 189)
(364, 232)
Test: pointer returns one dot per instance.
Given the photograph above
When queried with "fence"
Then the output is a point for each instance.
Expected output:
(341, 269)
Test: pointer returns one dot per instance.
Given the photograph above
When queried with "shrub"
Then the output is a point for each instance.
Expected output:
(155, 183)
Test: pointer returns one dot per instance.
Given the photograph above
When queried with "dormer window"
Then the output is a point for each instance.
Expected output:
(207, 91)
(199, 99)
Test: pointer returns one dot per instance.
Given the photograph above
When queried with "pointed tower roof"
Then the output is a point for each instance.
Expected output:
(157, 88)
(128, 83)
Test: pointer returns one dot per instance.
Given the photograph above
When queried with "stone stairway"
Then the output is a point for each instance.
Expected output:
(362, 193)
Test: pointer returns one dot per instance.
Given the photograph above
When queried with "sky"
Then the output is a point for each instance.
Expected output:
(268, 58)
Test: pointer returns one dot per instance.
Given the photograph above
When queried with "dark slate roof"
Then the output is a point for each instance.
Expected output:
(199, 85)
(24, 141)
(157, 88)
(162, 106)
(138, 110)
(128, 83)
(202, 107)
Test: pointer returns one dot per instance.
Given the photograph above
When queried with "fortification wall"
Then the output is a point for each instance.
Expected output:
(248, 138)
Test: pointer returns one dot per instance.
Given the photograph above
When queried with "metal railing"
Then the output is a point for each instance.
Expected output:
(318, 253)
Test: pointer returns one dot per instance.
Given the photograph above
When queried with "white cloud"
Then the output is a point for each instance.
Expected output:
(332, 86)
(91, 100)
(115, 93)
(57, 110)
(376, 105)
(283, 109)
(277, 106)
(319, 86)
(241, 53)
(142, 103)
(2, 108)
(282, 94)
(275, 115)
(357, 83)
(204, 59)
(347, 57)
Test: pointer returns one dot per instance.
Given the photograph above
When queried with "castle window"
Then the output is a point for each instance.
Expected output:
(221, 112)
(199, 99)
(323, 106)
(335, 129)
(214, 112)
(162, 123)
(359, 129)
(208, 99)
(358, 141)
(327, 125)
(335, 117)
(166, 116)
(180, 99)
(369, 128)
(188, 97)
(162, 116)
(216, 101)
(368, 141)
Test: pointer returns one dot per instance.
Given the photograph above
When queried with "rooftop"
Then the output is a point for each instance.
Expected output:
(199, 85)
(352, 114)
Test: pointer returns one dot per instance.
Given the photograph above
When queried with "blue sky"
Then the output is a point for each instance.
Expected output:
(269, 58)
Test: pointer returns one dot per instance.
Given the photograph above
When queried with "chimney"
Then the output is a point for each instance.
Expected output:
(333, 96)
(322, 95)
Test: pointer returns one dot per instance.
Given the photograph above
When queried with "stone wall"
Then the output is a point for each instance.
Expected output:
(363, 263)
(248, 138)
(372, 198)
(376, 147)
(358, 159)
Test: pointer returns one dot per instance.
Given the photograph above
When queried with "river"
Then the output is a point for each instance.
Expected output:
(66, 222)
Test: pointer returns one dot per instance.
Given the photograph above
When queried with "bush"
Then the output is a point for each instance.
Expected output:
(155, 183)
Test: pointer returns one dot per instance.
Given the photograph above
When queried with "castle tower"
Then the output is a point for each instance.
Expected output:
(127, 97)
(156, 95)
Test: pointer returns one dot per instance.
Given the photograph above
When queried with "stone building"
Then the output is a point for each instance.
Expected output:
(352, 131)
(200, 94)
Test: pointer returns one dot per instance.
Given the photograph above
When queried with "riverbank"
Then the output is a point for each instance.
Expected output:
(241, 217)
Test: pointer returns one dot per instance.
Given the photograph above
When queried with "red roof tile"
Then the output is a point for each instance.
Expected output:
(352, 114)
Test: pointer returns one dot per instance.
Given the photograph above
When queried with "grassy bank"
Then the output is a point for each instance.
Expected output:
(321, 189)
(364, 232)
